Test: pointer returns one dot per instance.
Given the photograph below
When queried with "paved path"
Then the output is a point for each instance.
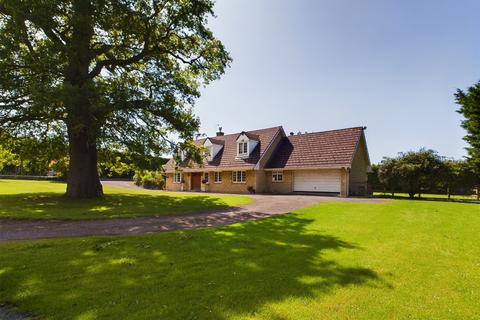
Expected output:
(262, 206)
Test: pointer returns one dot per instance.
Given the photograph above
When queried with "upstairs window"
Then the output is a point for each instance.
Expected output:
(277, 176)
(239, 176)
(217, 177)
(177, 177)
(243, 148)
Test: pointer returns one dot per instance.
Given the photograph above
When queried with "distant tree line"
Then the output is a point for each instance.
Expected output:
(49, 155)
(424, 171)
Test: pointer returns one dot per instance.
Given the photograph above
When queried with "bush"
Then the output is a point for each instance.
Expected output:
(149, 179)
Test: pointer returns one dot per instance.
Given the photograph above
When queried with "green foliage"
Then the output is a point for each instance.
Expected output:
(7, 158)
(373, 179)
(417, 172)
(396, 260)
(149, 179)
(119, 75)
(469, 102)
(388, 174)
(33, 156)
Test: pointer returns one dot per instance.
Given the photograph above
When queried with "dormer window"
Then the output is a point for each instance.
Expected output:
(213, 147)
(242, 149)
(246, 143)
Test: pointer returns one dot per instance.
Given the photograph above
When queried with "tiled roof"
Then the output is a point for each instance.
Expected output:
(327, 149)
(226, 158)
(249, 135)
(215, 141)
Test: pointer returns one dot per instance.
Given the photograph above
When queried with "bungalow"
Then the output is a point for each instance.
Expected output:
(269, 161)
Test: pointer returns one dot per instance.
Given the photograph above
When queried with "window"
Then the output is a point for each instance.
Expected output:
(277, 176)
(177, 177)
(205, 177)
(217, 177)
(242, 148)
(239, 176)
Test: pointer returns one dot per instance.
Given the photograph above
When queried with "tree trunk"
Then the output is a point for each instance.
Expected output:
(82, 177)
(411, 195)
(83, 121)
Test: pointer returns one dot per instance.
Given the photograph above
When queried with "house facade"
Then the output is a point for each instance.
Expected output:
(332, 162)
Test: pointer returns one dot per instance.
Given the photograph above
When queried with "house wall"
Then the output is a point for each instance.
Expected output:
(227, 186)
(260, 181)
(171, 186)
(279, 187)
(344, 183)
(358, 172)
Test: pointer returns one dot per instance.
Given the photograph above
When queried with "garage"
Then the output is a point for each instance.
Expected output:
(327, 181)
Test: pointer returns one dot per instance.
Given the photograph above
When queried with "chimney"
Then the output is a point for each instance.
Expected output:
(291, 133)
(219, 132)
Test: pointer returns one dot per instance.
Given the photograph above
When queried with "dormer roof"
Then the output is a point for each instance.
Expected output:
(215, 141)
(249, 135)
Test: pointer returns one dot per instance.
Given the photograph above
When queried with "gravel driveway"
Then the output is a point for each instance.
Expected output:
(262, 206)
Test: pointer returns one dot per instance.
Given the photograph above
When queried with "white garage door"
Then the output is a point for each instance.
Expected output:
(316, 181)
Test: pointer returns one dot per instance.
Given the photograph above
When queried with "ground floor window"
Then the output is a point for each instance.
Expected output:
(177, 177)
(239, 176)
(277, 176)
(218, 177)
(205, 177)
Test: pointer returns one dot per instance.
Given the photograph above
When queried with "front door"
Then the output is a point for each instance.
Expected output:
(196, 181)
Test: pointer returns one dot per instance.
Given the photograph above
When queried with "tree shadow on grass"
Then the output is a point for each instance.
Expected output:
(215, 273)
(113, 205)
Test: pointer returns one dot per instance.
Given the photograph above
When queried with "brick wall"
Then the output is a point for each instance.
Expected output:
(228, 186)
(279, 187)
(358, 173)
(172, 186)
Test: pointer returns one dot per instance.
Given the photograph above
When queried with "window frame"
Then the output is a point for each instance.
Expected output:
(237, 174)
(180, 177)
(217, 177)
(275, 176)
(243, 147)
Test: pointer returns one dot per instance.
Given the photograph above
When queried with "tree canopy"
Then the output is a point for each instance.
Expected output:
(469, 102)
(422, 171)
(119, 74)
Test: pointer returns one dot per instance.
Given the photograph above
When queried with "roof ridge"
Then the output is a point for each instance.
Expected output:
(343, 129)
(237, 133)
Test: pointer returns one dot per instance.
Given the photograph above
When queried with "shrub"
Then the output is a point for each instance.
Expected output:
(149, 179)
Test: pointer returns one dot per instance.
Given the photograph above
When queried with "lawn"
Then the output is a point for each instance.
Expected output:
(395, 260)
(23, 199)
(428, 196)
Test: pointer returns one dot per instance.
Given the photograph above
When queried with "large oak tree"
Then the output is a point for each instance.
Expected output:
(114, 73)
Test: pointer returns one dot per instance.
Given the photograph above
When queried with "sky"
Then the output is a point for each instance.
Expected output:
(315, 65)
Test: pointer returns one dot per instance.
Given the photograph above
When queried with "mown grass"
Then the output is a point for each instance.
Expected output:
(428, 196)
(25, 199)
(395, 260)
